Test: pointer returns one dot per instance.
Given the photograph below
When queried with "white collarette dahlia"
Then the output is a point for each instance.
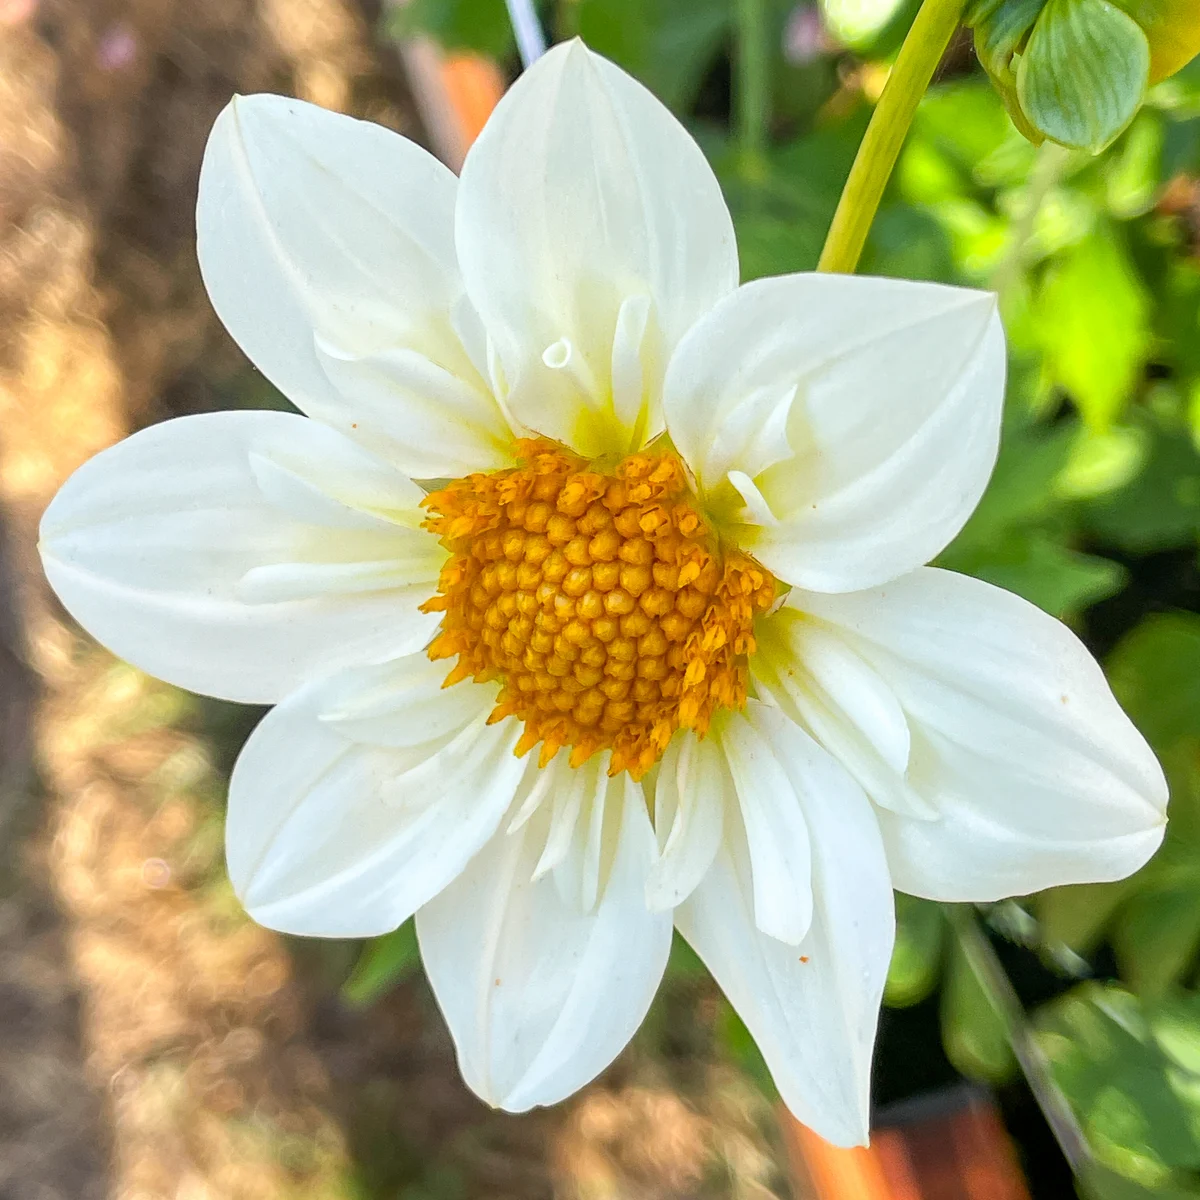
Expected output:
(589, 591)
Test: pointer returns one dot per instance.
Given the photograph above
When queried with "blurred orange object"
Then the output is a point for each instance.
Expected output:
(474, 85)
(454, 93)
(959, 1150)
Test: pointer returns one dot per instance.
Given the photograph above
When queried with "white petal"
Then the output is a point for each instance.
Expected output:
(434, 423)
(579, 874)
(813, 659)
(768, 793)
(314, 227)
(342, 488)
(281, 582)
(566, 806)
(1037, 776)
(170, 550)
(757, 511)
(335, 838)
(781, 678)
(539, 996)
(691, 797)
(400, 703)
(630, 402)
(813, 1008)
(582, 203)
(891, 435)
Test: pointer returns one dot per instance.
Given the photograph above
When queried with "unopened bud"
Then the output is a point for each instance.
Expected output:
(1076, 71)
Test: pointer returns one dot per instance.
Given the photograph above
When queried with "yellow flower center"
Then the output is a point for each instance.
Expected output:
(602, 602)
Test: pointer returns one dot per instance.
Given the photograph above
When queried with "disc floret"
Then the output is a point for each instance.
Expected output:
(601, 600)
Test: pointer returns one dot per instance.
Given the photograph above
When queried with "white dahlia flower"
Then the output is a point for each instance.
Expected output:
(589, 591)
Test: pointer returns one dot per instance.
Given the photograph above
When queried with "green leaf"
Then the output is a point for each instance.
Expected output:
(1066, 217)
(1020, 491)
(1157, 935)
(1059, 580)
(1160, 508)
(1084, 72)
(1093, 313)
(1132, 174)
(382, 963)
(775, 245)
(1076, 917)
(858, 23)
(980, 238)
(1101, 461)
(684, 963)
(1012, 539)
(1177, 291)
(965, 120)
(782, 217)
(668, 45)
(974, 1035)
(1176, 1029)
(479, 25)
(1155, 673)
(917, 955)
(906, 243)
(1101, 1183)
(1135, 1103)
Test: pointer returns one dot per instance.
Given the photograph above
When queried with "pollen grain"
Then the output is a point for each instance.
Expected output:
(601, 601)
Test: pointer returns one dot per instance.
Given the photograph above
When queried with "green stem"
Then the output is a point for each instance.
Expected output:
(918, 59)
(752, 85)
(986, 968)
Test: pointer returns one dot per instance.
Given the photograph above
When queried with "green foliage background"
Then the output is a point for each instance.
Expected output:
(1093, 512)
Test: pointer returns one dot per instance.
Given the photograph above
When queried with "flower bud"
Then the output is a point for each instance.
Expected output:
(1076, 71)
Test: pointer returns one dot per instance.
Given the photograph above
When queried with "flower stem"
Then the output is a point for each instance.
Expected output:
(531, 41)
(988, 972)
(918, 59)
(752, 83)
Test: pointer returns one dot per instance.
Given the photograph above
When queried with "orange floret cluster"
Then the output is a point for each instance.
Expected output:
(601, 601)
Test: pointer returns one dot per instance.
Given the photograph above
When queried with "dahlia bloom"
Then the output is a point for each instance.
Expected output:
(590, 593)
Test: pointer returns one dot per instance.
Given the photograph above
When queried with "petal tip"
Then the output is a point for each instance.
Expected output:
(845, 1130)
(260, 103)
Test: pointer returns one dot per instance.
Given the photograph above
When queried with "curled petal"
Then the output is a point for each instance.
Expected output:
(846, 425)
(768, 787)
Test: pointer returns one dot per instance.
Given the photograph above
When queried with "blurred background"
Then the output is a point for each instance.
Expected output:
(155, 1045)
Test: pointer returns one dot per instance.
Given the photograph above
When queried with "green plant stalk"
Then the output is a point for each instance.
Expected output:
(752, 83)
(918, 59)
(986, 968)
